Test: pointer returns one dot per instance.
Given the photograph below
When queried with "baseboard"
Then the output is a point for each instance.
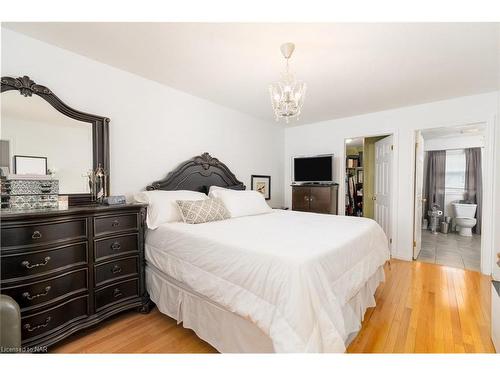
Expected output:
(401, 257)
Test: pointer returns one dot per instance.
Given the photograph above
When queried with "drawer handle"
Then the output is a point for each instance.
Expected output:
(117, 293)
(29, 328)
(115, 223)
(36, 235)
(116, 269)
(30, 297)
(115, 246)
(27, 264)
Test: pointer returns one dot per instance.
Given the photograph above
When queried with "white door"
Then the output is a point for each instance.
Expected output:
(383, 183)
(419, 184)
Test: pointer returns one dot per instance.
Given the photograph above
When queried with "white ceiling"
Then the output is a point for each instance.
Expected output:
(349, 68)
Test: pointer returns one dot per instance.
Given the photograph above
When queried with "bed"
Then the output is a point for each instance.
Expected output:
(282, 281)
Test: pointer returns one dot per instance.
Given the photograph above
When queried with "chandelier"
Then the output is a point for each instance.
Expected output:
(287, 95)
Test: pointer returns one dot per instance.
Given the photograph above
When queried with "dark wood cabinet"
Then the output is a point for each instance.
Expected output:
(317, 198)
(71, 269)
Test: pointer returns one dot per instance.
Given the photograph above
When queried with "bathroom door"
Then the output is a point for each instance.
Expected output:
(383, 183)
(418, 194)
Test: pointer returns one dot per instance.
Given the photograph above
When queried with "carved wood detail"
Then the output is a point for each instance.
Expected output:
(198, 173)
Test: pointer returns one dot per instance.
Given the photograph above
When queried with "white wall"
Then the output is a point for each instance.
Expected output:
(451, 143)
(153, 127)
(328, 136)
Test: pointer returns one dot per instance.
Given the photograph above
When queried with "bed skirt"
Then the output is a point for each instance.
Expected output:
(228, 332)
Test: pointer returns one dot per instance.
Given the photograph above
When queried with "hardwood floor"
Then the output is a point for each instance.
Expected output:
(428, 308)
(421, 308)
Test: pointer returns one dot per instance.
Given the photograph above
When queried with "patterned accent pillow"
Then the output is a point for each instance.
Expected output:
(203, 211)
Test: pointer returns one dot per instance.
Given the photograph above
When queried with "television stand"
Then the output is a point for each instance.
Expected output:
(315, 197)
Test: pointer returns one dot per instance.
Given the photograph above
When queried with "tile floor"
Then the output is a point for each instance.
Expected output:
(451, 250)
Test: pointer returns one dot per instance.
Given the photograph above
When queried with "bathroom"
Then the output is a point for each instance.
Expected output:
(448, 191)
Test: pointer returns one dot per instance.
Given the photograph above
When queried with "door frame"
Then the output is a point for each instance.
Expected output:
(415, 192)
(393, 241)
(488, 217)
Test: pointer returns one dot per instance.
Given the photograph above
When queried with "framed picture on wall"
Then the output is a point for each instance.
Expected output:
(36, 165)
(262, 184)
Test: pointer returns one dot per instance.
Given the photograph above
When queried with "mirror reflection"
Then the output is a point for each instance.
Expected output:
(34, 135)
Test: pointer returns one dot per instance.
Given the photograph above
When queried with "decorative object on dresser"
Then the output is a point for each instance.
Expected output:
(23, 193)
(71, 269)
(97, 184)
(262, 184)
(44, 115)
(115, 199)
(319, 198)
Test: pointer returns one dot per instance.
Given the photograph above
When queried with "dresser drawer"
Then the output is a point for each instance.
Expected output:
(110, 247)
(116, 223)
(37, 263)
(115, 293)
(49, 320)
(32, 234)
(49, 290)
(117, 269)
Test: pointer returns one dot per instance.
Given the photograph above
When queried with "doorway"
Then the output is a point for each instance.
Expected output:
(448, 195)
(368, 179)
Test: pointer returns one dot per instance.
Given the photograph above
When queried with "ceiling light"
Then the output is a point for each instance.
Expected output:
(287, 95)
(348, 140)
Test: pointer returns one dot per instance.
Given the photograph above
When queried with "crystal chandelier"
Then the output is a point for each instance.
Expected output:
(287, 95)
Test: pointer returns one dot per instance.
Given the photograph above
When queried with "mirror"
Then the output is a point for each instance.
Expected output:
(34, 132)
(40, 133)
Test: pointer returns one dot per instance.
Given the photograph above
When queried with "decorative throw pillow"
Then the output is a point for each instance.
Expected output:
(203, 211)
(162, 206)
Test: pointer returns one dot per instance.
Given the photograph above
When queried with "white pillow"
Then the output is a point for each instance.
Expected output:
(212, 192)
(162, 204)
(241, 202)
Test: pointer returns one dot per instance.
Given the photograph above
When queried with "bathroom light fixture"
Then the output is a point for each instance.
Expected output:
(348, 140)
(287, 95)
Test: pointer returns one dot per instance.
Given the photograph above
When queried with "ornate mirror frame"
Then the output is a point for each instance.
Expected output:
(100, 126)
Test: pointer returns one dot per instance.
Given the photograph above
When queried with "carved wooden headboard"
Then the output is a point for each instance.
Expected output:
(198, 174)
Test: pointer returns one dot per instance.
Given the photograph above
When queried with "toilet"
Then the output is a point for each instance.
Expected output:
(464, 217)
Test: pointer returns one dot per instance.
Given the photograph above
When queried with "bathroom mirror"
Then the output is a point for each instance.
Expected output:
(38, 127)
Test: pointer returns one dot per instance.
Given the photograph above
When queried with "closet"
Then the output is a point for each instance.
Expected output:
(354, 181)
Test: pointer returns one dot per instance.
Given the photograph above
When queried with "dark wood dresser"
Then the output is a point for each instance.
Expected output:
(318, 198)
(71, 269)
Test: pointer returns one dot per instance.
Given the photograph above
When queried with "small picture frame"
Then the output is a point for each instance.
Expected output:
(33, 165)
(262, 184)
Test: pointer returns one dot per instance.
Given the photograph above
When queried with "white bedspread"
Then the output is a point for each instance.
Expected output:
(288, 272)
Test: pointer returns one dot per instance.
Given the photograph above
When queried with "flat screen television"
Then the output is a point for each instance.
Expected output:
(318, 168)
